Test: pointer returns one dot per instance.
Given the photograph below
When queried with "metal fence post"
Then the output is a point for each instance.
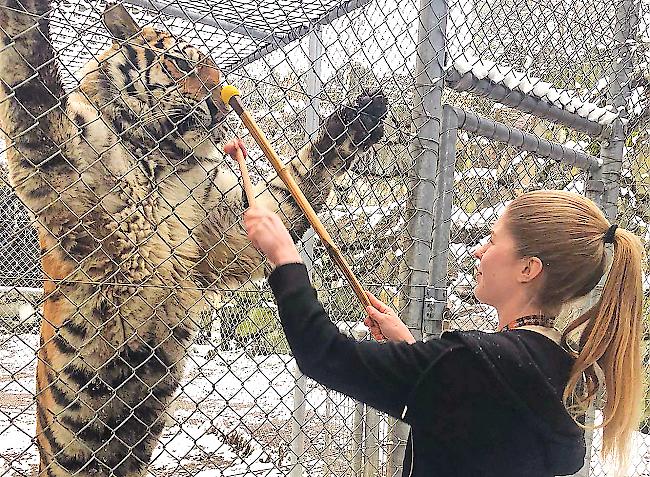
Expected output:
(314, 83)
(429, 84)
(307, 252)
(611, 152)
(327, 458)
(371, 440)
(297, 444)
(594, 191)
(425, 149)
(437, 292)
(357, 439)
(392, 423)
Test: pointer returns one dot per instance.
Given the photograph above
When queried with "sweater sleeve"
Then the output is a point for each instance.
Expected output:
(381, 375)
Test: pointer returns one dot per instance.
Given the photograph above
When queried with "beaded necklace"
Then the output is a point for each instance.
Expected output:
(538, 320)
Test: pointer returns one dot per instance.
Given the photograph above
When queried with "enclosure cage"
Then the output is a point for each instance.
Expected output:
(486, 100)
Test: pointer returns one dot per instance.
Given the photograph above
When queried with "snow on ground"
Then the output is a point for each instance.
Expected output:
(221, 393)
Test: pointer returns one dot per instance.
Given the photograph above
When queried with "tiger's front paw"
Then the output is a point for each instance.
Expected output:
(353, 128)
(364, 119)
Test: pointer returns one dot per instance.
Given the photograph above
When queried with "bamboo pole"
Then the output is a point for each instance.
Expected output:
(230, 95)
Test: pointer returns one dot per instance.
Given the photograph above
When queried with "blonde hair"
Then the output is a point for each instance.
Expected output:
(566, 232)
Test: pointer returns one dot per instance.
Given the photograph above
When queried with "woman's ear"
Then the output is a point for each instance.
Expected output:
(530, 269)
(118, 21)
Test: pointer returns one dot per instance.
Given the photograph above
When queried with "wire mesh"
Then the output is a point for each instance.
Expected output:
(238, 398)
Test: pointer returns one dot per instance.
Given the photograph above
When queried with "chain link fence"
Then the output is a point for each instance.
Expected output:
(537, 95)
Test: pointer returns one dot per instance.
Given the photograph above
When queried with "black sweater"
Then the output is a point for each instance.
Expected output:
(479, 404)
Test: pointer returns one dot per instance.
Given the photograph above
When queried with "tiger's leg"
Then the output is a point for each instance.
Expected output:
(344, 135)
(33, 128)
(31, 93)
(101, 407)
(100, 424)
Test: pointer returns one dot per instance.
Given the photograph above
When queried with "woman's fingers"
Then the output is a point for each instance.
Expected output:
(236, 149)
(231, 147)
(379, 305)
(257, 213)
(242, 146)
(389, 325)
(374, 313)
(373, 321)
(375, 330)
(378, 316)
(270, 236)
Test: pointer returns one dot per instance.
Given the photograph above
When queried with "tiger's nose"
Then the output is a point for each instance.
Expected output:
(211, 77)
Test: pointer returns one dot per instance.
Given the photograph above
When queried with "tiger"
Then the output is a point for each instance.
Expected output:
(137, 212)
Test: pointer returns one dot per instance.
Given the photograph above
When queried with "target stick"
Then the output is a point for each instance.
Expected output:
(240, 157)
(230, 95)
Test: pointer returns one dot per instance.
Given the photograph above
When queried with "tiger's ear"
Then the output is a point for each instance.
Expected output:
(118, 21)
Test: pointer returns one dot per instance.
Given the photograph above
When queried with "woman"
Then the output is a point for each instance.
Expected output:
(491, 404)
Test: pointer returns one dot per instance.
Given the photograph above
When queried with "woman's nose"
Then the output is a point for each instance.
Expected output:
(478, 252)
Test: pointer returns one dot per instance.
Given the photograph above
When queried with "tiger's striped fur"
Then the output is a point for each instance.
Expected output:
(136, 212)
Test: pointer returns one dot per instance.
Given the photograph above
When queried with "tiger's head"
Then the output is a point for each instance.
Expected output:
(153, 84)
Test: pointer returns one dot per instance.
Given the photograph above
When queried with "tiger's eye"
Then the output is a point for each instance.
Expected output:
(183, 65)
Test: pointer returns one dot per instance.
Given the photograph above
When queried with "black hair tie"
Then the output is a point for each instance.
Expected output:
(609, 235)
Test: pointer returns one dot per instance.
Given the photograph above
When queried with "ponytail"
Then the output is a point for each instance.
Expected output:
(610, 350)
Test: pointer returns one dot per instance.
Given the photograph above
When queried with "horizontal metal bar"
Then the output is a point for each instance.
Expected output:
(209, 20)
(481, 126)
(523, 102)
(300, 32)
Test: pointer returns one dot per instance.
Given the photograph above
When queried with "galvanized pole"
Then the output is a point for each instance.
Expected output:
(429, 84)
(523, 141)
(297, 444)
(437, 292)
(594, 190)
(523, 102)
(611, 152)
(371, 441)
(357, 439)
(314, 83)
(298, 414)
(327, 458)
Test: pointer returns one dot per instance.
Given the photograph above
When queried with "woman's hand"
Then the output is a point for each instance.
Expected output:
(270, 236)
(384, 322)
(236, 149)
